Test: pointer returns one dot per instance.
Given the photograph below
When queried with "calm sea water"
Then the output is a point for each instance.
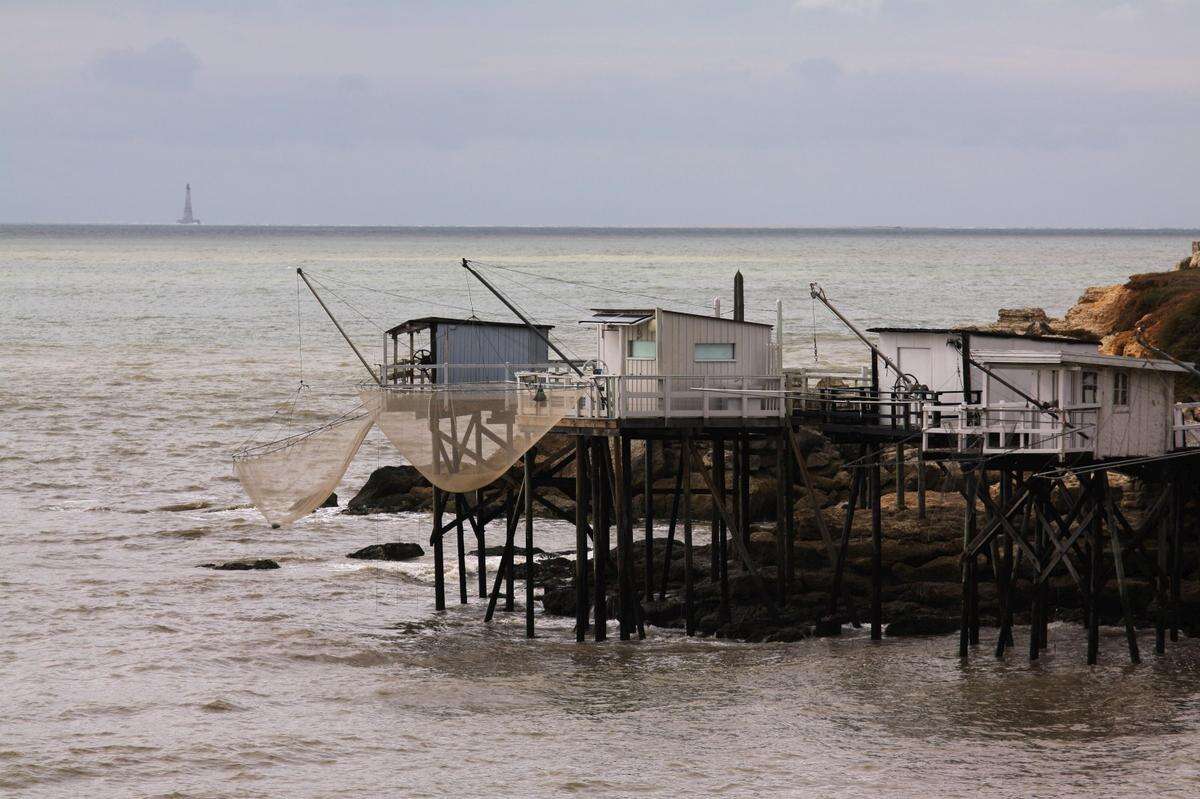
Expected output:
(134, 360)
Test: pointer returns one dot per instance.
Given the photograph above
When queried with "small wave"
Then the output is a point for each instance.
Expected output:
(220, 706)
(196, 504)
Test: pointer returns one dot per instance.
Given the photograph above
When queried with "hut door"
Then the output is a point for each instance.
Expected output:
(915, 361)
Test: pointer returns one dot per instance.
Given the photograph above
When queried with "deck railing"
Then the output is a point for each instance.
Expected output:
(675, 396)
(1185, 428)
(1000, 429)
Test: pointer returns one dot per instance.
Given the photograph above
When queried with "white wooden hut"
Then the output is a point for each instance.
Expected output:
(1034, 394)
(664, 364)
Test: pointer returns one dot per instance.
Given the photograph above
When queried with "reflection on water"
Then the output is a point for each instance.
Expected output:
(136, 361)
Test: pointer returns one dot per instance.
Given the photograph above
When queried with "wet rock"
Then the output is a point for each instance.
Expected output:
(390, 551)
(921, 623)
(559, 601)
(547, 572)
(242, 565)
(331, 501)
(391, 489)
(498, 551)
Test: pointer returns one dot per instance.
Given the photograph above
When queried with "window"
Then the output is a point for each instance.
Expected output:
(714, 352)
(1087, 388)
(643, 349)
(1120, 387)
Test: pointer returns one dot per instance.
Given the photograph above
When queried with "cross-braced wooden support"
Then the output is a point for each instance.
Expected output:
(1040, 526)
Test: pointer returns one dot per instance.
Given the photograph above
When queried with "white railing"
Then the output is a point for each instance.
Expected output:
(1185, 427)
(678, 396)
(997, 429)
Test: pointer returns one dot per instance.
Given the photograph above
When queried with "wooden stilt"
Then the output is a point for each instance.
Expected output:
(648, 513)
(530, 575)
(789, 515)
(1178, 495)
(601, 502)
(510, 571)
(839, 565)
(504, 573)
(666, 573)
(582, 485)
(969, 525)
(876, 546)
(921, 482)
(1114, 540)
(439, 566)
(901, 495)
(718, 523)
(479, 526)
(973, 565)
(1162, 586)
(1095, 582)
(689, 611)
(460, 511)
(744, 488)
(781, 526)
(621, 486)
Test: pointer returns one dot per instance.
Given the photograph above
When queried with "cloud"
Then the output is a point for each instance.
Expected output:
(167, 65)
(856, 7)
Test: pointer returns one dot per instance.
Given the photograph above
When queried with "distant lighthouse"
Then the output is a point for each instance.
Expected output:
(187, 218)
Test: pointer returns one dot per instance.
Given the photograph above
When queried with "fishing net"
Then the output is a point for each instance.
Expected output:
(290, 478)
(463, 437)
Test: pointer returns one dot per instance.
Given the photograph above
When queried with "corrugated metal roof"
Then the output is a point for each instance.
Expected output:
(616, 317)
(426, 322)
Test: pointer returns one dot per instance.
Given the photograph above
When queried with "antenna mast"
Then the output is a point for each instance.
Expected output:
(377, 378)
(817, 293)
(537, 330)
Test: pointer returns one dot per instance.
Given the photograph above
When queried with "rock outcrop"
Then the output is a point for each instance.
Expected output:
(389, 551)
(391, 489)
(242, 565)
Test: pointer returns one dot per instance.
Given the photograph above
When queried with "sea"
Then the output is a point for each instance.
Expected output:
(135, 359)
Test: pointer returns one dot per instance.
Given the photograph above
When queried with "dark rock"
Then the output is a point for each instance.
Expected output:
(241, 565)
(390, 551)
(391, 489)
(559, 601)
(498, 551)
(330, 501)
(921, 624)
(826, 627)
(552, 572)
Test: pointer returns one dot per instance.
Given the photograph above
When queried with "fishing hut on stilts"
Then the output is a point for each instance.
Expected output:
(1034, 425)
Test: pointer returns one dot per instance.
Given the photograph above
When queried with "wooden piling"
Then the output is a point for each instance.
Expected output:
(901, 496)
(460, 512)
(529, 565)
(439, 575)
(718, 522)
(781, 526)
(648, 513)
(582, 484)
(921, 482)
(689, 611)
(601, 502)
(876, 546)
(479, 525)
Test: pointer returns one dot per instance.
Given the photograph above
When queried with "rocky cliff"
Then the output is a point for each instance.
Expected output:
(1164, 305)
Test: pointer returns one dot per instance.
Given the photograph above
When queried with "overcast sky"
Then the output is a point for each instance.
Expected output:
(780, 112)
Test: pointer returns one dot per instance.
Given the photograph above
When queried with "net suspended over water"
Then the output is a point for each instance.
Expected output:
(460, 437)
(290, 478)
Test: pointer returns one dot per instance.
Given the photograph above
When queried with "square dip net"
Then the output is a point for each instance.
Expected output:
(459, 437)
(462, 437)
(292, 477)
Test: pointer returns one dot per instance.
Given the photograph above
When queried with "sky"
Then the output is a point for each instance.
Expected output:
(955, 113)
